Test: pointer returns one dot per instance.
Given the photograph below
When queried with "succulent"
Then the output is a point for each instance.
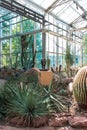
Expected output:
(55, 102)
(26, 104)
(80, 87)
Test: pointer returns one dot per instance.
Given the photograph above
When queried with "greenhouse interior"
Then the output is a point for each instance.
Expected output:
(43, 64)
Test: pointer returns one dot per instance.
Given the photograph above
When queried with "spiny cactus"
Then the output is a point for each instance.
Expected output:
(80, 87)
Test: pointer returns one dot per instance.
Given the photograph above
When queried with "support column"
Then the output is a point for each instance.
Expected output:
(62, 45)
(43, 42)
(21, 18)
(82, 63)
(57, 48)
(10, 44)
(74, 53)
(54, 63)
(34, 47)
(0, 43)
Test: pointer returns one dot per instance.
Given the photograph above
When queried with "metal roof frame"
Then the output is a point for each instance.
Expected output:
(22, 10)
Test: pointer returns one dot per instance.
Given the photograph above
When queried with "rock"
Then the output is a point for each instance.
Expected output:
(74, 108)
(30, 75)
(70, 88)
(67, 80)
(39, 121)
(65, 128)
(70, 128)
(55, 80)
(78, 121)
(58, 121)
(62, 115)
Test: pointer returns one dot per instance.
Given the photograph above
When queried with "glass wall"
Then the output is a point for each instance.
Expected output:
(58, 35)
(57, 38)
(12, 28)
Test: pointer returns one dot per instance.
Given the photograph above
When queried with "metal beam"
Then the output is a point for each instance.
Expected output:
(79, 6)
(9, 19)
(37, 31)
(35, 5)
(43, 9)
(52, 5)
(79, 29)
(61, 36)
(22, 10)
(84, 11)
(20, 34)
(55, 4)
(76, 20)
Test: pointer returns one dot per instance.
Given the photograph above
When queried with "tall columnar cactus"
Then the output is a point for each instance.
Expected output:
(80, 87)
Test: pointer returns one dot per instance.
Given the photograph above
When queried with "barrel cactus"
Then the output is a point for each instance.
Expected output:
(80, 87)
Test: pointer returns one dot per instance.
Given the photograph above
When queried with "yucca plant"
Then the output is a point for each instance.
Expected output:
(26, 103)
(5, 96)
(29, 102)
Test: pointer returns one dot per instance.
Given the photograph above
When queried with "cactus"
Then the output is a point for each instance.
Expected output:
(80, 87)
(48, 63)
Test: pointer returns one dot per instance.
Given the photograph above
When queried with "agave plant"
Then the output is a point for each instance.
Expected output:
(26, 103)
(54, 101)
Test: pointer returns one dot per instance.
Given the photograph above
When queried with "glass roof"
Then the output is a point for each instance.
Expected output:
(83, 3)
(67, 10)
(70, 11)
